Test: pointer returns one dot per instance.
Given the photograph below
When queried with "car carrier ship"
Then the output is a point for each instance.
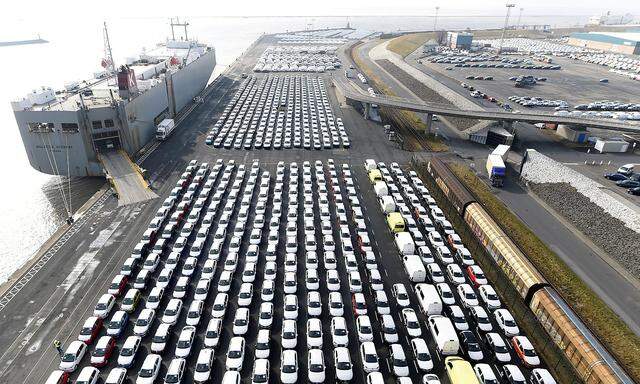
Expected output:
(75, 131)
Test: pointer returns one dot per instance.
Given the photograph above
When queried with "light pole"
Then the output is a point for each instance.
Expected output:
(519, 18)
(435, 19)
(506, 23)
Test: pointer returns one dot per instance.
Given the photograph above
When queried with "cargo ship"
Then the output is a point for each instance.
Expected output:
(117, 110)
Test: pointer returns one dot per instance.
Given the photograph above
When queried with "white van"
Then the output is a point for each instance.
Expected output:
(405, 243)
(444, 334)
(414, 268)
(370, 164)
(387, 204)
(428, 299)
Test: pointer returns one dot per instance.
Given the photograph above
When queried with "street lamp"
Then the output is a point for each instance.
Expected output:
(435, 19)
(506, 23)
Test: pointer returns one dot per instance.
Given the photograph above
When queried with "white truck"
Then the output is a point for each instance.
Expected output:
(387, 204)
(405, 243)
(444, 335)
(165, 128)
(381, 188)
(428, 299)
(414, 268)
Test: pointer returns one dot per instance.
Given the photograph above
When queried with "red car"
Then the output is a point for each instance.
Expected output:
(58, 377)
(102, 352)
(358, 304)
(90, 329)
(118, 285)
(476, 275)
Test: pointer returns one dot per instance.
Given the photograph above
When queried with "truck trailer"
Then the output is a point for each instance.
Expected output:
(165, 128)
(496, 170)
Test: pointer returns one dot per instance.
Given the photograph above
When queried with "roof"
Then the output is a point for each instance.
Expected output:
(623, 38)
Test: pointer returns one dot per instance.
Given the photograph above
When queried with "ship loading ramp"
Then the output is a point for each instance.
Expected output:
(126, 178)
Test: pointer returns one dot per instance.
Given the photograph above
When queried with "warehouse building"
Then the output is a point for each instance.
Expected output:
(459, 40)
(618, 42)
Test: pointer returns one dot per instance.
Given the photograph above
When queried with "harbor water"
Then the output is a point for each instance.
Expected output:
(31, 207)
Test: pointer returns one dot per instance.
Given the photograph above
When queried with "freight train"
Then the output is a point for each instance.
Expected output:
(585, 352)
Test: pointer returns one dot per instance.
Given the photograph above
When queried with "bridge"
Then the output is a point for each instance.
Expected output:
(353, 92)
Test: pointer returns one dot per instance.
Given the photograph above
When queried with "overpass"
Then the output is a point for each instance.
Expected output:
(352, 92)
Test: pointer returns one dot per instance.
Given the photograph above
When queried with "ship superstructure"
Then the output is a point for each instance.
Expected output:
(65, 131)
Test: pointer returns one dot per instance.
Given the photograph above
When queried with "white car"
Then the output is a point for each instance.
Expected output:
(160, 338)
(401, 295)
(241, 321)
(411, 323)
(398, 361)
(260, 374)
(382, 303)
(104, 306)
(389, 330)
(202, 289)
(430, 378)
(172, 312)
(270, 270)
(144, 322)
(454, 273)
(245, 296)
(219, 308)
(525, 351)
(235, 354)
(204, 364)
(355, 282)
(181, 287)
(312, 260)
(128, 351)
(481, 318)
(314, 304)
(291, 307)
(506, 322)
(314, 333)
(336, 307)
(467, 296)
(289, 366)
(289, 334)
(195, 312)
(165, 276)
(435, 239)
(342, 364)
(421, 354)
(150, 369)
(265, 318)
(290, 283)
(369, 357)
(72, 356)
(498, 346)
(185, 341)
(333, 280)
(316, 366)
(339, 332)
(267, 291)
(364, 328)
(489, 296)
(154, 298)
(446, 295)
(484, 373)
(312, 281)
(213, 333)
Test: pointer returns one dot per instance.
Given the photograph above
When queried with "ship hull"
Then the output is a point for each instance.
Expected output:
(67, 142)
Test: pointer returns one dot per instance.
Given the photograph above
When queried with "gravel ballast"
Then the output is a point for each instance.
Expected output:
(539, 169)
(609, 233)
(425, 93)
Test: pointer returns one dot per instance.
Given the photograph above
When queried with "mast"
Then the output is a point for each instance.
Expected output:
(108, 55)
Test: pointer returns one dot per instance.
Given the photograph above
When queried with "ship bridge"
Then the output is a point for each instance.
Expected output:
(126, 178)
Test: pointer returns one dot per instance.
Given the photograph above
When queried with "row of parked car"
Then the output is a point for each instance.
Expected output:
(279, 112)
(434, 261)
(298, 58)
(626, 177)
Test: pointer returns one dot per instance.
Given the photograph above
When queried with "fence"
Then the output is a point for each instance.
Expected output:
(552, 355)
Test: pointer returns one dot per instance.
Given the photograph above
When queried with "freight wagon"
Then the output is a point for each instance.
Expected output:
(588, 356)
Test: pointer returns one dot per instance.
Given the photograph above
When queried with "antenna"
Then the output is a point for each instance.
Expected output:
(107, 62)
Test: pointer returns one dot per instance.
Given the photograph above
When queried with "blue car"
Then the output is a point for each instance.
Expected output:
(615, 176)
(628, 183)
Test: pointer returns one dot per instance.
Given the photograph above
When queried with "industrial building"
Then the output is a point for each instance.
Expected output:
(459, 40)
(618, 42)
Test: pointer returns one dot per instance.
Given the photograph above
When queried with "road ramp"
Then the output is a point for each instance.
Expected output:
(126, 178)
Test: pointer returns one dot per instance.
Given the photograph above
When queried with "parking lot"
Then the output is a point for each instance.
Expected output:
(279, 112)
(322, 206)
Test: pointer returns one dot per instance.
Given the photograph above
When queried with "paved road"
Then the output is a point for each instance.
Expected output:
(61, 293)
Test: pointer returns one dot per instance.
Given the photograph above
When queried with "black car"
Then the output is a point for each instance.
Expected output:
(628, 183)
(615, 176)
(634, 191)
(470, 346)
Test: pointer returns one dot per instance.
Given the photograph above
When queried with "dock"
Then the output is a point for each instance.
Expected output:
(126, 178)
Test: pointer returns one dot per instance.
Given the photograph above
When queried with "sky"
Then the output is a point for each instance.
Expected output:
(69, 9)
